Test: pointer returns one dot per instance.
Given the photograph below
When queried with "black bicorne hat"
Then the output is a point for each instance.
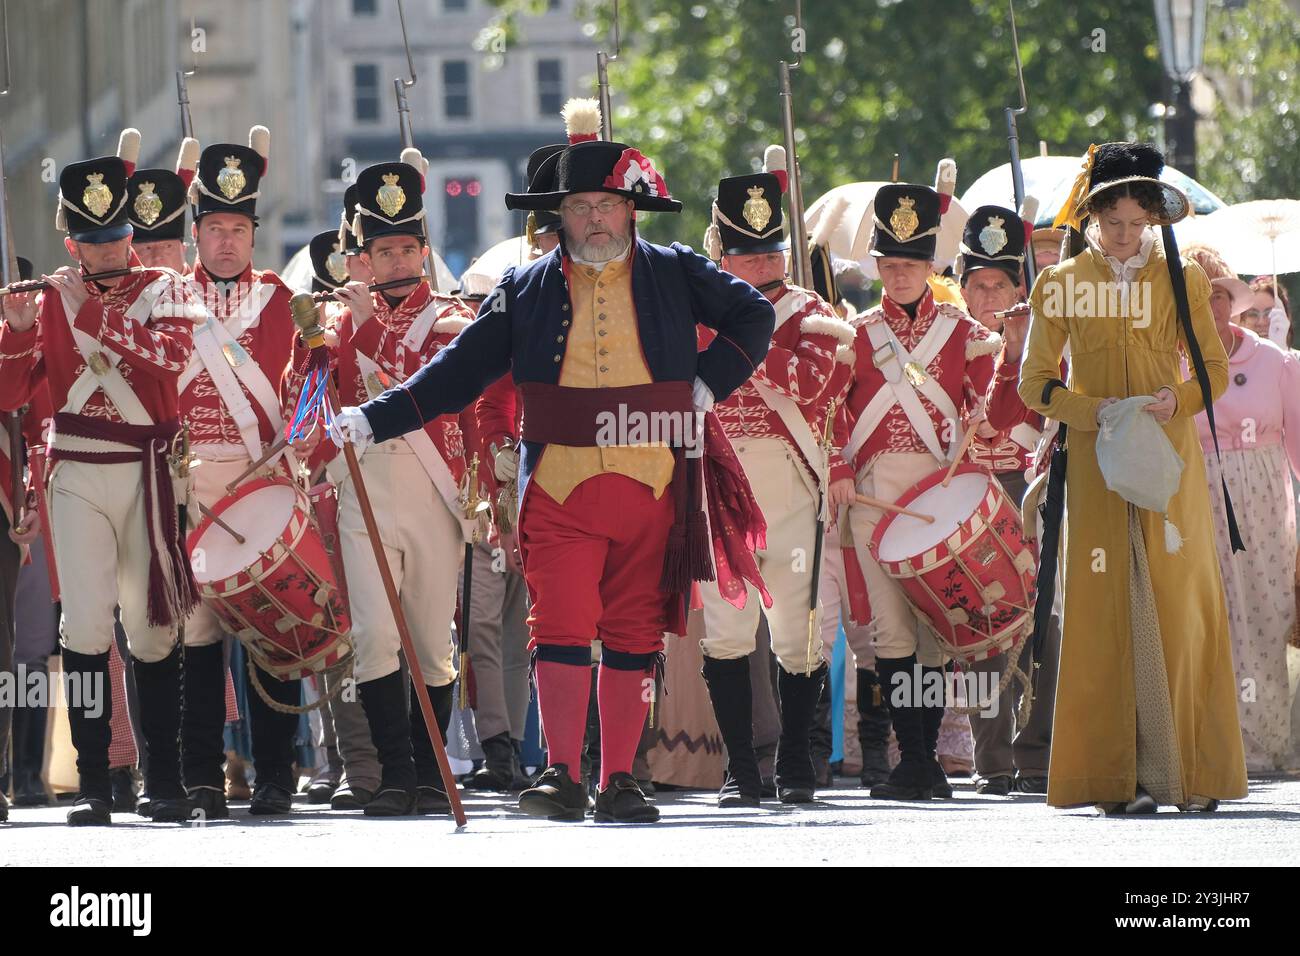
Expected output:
(994, 238)
(601, 166)
(906, 220)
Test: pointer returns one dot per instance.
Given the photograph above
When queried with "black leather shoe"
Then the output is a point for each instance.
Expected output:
(90, 812)
(270, 799)
(4, 807)
(999, 785)
(1030, 784)
(391, 802)
(556, 796)
(431, 800)
(350, 798)
(732, 796)
(623, 802)
(321, 789)
(171, 810)
(939, 785)
(795, 794)
(908, 781)
(210, 803)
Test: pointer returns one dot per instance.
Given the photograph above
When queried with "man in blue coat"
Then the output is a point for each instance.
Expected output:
(600, 336)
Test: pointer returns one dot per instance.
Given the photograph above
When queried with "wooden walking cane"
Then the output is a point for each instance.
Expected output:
(306, 315)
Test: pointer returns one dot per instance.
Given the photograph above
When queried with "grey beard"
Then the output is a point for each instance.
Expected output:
(598, 254)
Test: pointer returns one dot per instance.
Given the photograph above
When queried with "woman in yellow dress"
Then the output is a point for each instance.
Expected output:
(1145, 709)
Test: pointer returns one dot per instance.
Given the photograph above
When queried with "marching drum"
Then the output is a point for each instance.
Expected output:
(276, 591)
(970, 572)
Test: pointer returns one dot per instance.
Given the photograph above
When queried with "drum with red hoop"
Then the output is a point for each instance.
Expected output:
(970, 572)
(275, 591)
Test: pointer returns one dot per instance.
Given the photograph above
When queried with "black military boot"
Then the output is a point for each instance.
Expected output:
(911, 779)
(159, 687)
(873, 728)
(932, 717)
(431, 794)
(795, 781)
(90, 709)
(203, 723)
(499, 768)
(821, 741)
(272, 732)
(733, 706)
(384, 701)
(29, 755)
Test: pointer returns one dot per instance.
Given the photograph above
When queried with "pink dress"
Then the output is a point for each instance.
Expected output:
(1258, 422)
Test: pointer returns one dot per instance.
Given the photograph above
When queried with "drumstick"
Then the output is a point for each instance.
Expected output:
(207, 513)
(270, 453)
(886, 506)
(966, 439)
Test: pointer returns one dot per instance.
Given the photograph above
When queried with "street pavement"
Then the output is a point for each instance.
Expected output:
(845, 827)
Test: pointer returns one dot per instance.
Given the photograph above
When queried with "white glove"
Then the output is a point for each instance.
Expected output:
(351, 426)
(702, 396)
(1278, 327)
(505, 463)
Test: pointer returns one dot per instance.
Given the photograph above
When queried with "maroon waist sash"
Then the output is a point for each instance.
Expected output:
(171, 596)
(579, 417)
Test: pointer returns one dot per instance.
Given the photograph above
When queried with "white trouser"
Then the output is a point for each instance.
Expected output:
(102, 553)
(425, 549)
(833, 595)
(894, 628)
(790, 510)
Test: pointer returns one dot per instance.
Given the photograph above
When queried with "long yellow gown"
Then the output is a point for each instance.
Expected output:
(1109, 583)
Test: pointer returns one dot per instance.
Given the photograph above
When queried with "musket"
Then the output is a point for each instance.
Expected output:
(1013, 143)
(603, 60)
(820, 537)
(406, 130)
(183, 101)
(800, 262)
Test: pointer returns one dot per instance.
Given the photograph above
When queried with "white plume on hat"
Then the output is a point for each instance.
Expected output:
(128, 148)
(1029, 209)
(187, 160)
(829, 220)
(259, 141)
(945, 177)
(581, 119)
(774, 159)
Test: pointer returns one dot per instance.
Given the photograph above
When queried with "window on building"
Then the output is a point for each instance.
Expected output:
(550, 87)
(455, 6)
(365, 92)
(365, 8)
(455, 89)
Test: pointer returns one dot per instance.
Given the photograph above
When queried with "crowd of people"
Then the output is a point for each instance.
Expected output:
(291, 535)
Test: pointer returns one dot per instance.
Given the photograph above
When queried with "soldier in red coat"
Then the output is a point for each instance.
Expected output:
(111, 350)
(231, 402)
(777, 422)
(921, 370)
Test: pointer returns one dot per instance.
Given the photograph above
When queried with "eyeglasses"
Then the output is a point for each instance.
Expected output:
(583, 209)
